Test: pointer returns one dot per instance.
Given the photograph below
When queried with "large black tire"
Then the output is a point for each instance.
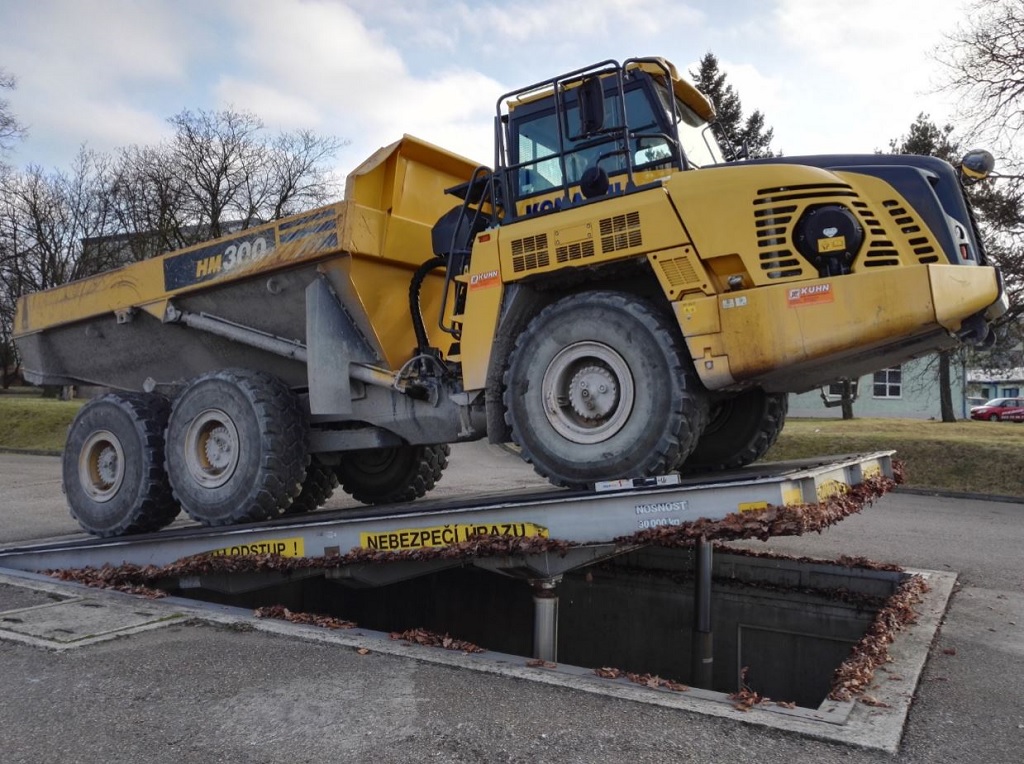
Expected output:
(113, 465)
(600, 386)
(317, 488)
(740, 431)
(237, 447)
(389, 475)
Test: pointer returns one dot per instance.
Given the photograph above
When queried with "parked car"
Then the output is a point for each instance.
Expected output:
(1000, 410)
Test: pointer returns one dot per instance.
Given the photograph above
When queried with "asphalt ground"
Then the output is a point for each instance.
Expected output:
(209, 690)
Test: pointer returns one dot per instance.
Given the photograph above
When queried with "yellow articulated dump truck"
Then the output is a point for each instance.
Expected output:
(612, 296)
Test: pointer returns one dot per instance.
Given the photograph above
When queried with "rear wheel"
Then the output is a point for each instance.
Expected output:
(237, 447)
(599, 386)
(740, 431)
(317, 488)
(113, 465)
(388, 475)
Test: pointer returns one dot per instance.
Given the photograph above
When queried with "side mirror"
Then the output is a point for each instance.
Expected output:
(591, 106)
(977, 165)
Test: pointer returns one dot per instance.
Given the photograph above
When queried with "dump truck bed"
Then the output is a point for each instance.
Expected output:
(105, 329)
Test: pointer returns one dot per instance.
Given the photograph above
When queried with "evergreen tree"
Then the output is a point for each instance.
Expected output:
(750, 132)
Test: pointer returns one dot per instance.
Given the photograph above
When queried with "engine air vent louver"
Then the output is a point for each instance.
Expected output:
(530, 253)
(620, 232)
(679, 272)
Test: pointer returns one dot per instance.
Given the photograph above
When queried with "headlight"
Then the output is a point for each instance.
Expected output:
(829, 237)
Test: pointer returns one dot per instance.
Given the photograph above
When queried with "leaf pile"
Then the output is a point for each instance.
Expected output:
(856, 673)
(309, 619)
(647, 680)
(433, 639)
(772, 521)
(128, 578)
(745, 698)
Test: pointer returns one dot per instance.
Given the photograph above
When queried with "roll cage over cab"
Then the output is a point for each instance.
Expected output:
(603, 129)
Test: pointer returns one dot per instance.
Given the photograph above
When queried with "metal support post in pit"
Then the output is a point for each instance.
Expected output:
(545, 618)
(703, 660)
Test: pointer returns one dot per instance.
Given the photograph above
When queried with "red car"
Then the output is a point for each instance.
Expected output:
(1000, 410)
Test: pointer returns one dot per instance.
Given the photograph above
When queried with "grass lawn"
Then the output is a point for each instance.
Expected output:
(975, 457)
(981, 457)
(31, 423)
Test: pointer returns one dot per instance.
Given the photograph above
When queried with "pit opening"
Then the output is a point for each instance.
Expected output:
(780, 627)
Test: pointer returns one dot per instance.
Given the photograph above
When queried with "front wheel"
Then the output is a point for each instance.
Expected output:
(113, 470)
(600, 386)
(237, 447)
(740, 431)
(389, 475)
(994, 418)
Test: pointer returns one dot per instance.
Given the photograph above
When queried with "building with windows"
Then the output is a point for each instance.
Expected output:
(986, 384)
(908, 391)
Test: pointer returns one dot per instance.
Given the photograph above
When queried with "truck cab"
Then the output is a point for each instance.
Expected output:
(600, 130)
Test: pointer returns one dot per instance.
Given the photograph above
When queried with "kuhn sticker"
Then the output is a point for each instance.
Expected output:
(484, 280)
(809, 295)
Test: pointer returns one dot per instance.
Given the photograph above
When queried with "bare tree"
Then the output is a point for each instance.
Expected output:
(44, 219)
(984, 63)
(147, 195)
(10, 129)
(219, 172)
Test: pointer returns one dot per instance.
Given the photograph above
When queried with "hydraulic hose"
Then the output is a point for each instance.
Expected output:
(414, 301)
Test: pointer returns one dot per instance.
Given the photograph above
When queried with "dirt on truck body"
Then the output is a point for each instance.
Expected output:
(612, 296)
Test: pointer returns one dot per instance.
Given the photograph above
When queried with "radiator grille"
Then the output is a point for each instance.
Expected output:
(776, 211)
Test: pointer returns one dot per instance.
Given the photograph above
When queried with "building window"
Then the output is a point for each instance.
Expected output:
(1011, 392)
(888, 383)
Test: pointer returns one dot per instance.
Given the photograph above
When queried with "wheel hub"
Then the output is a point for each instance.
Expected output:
(593, 393)
(588, 392)
(211, 448)
(218, 448)
(101, 466)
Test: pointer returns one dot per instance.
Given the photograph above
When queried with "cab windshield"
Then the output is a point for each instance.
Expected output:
(695, 135)
(548, 157)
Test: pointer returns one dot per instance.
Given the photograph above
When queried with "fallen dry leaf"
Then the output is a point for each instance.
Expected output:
(538, 663)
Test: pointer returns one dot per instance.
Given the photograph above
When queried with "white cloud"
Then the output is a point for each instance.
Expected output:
(318, 64)
(862, 73)
(828, 75)
(86, 73)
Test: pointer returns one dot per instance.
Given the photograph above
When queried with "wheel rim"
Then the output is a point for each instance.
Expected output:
(101, 466)
(211, 448)
(588, 392)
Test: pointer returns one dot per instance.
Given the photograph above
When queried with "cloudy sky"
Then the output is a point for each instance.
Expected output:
(829, 75)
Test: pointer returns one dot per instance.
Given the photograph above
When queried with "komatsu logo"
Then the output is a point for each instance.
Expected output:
(560, 202)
